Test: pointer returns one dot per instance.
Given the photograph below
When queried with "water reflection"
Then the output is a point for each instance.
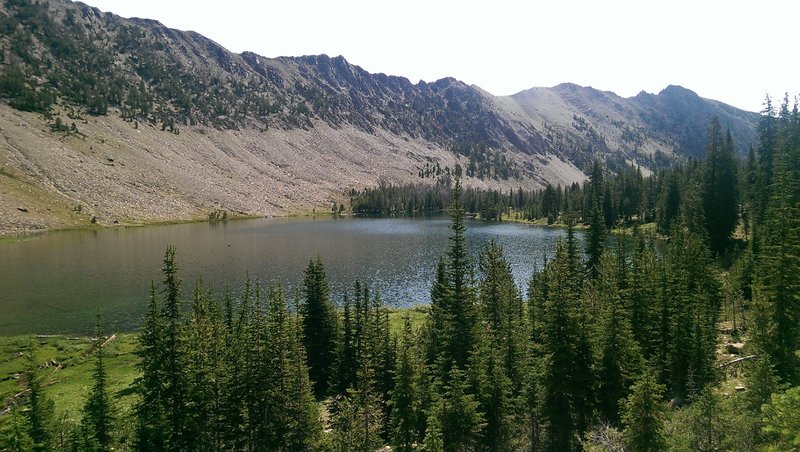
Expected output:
(55, 282)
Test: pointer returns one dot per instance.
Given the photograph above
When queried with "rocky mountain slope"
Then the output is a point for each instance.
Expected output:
(169, 125)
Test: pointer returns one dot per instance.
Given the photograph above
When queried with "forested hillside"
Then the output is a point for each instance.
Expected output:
(688, 342)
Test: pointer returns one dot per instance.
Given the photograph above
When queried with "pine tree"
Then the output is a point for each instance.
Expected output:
(669, 204)
(462, 312)
(595, 240)
(707, 422)
(644, 416)
(203, 350)
(319, 327)
(15, 437)
(151, 428)
(292, 421)
(720, 193)
(41, 409)
(767, 148)
(98, 416)
(618, 358)
(434, 441)
(346, 354)
(564, 352)
(646, 302)
(695, 301)
(458, 413)
(438, 320)
(404, 397)
(173, 384)
(776, 287)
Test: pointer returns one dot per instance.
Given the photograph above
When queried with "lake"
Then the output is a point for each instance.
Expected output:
(55, 282)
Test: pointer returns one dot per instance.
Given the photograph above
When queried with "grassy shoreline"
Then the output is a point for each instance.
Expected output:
(66, 364)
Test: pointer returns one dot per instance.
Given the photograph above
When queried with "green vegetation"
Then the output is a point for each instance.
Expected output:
(587, 361)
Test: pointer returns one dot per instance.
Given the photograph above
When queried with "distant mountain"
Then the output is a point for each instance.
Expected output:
(170, 125)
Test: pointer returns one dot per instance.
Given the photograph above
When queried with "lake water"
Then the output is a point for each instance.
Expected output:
(54, 283)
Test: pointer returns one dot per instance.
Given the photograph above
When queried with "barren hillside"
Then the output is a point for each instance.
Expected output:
(168, 125)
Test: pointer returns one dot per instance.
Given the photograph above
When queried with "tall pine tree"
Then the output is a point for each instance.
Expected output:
(320, 329)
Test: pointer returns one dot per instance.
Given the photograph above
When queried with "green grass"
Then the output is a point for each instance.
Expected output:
(66, 365)
(67, 376)
(397, 317)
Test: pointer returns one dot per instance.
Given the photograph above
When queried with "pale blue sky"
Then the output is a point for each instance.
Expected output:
(733, 51)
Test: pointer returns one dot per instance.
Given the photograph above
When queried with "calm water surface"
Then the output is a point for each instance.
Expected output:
(55, 282)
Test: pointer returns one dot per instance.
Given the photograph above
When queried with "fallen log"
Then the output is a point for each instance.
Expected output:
(737, 361)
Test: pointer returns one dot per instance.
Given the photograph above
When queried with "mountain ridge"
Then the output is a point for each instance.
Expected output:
(121, 80)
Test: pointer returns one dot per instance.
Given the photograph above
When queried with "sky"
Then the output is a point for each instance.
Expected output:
(733, 51)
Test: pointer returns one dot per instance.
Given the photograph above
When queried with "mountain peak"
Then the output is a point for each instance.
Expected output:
(677, 90)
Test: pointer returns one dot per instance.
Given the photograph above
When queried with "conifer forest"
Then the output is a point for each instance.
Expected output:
(683, 335)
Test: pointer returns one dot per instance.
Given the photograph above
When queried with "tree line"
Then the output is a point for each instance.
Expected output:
(612, 346)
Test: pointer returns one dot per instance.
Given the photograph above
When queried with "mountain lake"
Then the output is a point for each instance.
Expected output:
(55, 282)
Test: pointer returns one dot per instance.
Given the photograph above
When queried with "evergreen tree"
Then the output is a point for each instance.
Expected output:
(618, 358)
(646, 302)
(15, 437)
(434, 442)
(41, 410)
(461, 303)
(319, 327)
(346, 353)
(98, 415)
(293, 421)
(151, 428)
(171, 354)
(720, 194)
(565, 394)
(694, 294)
(707, 423)
(644, 416)
(777, 289)
(203, 368)
(404, 397)
(458, 413)
(782, 418)
(767, 148)
(595, 240)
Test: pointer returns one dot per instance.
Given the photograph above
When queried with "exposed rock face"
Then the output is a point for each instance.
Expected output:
(169, 125)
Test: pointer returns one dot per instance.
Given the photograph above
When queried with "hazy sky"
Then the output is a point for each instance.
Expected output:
(733, 51)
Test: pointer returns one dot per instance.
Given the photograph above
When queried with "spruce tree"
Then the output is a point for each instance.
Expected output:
(320, 328)
(346, 353)
(461, 304)
(41, 409)
(404, 398)
(458, 413)
(292, 421)
(98, 417)
(434, 441)
(151, 428)
(595, 240)
(643, 416)
(15, 437)
(720, 191)
(618, 358)
(203, 367)
(776, 287)
(564, 403)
